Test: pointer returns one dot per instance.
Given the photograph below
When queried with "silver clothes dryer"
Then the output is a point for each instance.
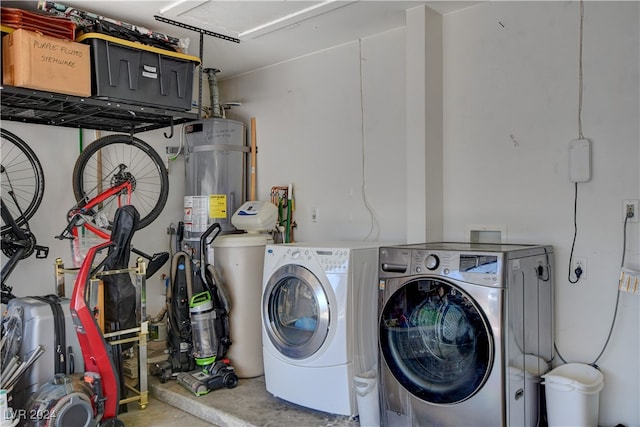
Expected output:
(465, 330)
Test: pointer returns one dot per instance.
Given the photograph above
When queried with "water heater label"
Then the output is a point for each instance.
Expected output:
(218, 206)
(188, 213)
(196, 213)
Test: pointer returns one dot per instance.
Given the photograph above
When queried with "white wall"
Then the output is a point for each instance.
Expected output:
(317, 128)
(510, 108)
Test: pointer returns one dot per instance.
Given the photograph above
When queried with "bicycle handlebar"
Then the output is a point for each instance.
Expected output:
(67, 232)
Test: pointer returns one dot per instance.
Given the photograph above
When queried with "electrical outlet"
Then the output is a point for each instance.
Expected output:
(630, 210)
(579, 263)
(314, 214)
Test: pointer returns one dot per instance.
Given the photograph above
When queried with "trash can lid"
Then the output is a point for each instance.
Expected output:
(579, 375)
(531, 364)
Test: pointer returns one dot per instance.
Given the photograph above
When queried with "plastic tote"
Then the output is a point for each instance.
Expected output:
(573, 395)
(366, 386)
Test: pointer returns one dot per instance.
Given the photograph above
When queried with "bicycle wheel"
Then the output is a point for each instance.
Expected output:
(113, 159)
(22, 179)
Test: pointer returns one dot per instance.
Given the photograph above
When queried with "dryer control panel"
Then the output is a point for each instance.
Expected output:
(331, 260)
(473, 267)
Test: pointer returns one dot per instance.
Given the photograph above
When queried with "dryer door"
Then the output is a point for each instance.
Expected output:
(295, 311)
(436, 341)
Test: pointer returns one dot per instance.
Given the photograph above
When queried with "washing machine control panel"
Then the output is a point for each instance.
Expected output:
(427, 262)
(480, 268)
(331, 260)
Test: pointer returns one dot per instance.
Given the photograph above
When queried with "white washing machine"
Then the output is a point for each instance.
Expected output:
(319, 309)
(465, 331)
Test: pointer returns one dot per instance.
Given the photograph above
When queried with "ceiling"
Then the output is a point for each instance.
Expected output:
(315, 25)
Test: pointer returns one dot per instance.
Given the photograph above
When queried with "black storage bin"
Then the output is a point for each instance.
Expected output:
(138, 74)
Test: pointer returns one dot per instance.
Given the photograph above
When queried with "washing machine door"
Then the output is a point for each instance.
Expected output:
(295, 311)
(436, 341)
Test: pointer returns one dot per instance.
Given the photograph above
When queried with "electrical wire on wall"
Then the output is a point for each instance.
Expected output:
(375, 226)
(183, 131)
(615, 311)
(578, 271)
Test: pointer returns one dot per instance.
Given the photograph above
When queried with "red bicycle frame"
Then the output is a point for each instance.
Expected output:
(123, 189)
(95, 350)
(76, 218)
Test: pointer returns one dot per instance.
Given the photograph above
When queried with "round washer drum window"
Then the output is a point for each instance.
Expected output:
(296, 311)
(436, 341)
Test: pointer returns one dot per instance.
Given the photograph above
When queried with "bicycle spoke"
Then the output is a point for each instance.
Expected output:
(22, 179)
(113, 160)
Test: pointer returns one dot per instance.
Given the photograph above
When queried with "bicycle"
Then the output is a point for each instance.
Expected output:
(111, 172)
(22, 184)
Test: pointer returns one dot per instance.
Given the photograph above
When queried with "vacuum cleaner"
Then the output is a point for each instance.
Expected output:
(209, 311)
(197, 346)
(213, 373)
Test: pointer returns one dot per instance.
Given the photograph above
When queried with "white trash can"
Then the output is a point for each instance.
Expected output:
(573, 395)
(366, 386)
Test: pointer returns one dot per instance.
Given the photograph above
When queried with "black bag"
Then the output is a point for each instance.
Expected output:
(120, 294)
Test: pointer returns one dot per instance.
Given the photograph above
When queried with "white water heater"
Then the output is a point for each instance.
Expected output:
(215, 168)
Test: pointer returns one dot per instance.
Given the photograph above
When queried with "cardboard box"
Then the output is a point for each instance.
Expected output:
(35, 61)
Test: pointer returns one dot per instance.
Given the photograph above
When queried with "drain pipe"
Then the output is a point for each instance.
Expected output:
(213, 91)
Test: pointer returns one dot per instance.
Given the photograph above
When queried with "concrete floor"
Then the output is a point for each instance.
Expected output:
(159, 414)
(247, 405)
